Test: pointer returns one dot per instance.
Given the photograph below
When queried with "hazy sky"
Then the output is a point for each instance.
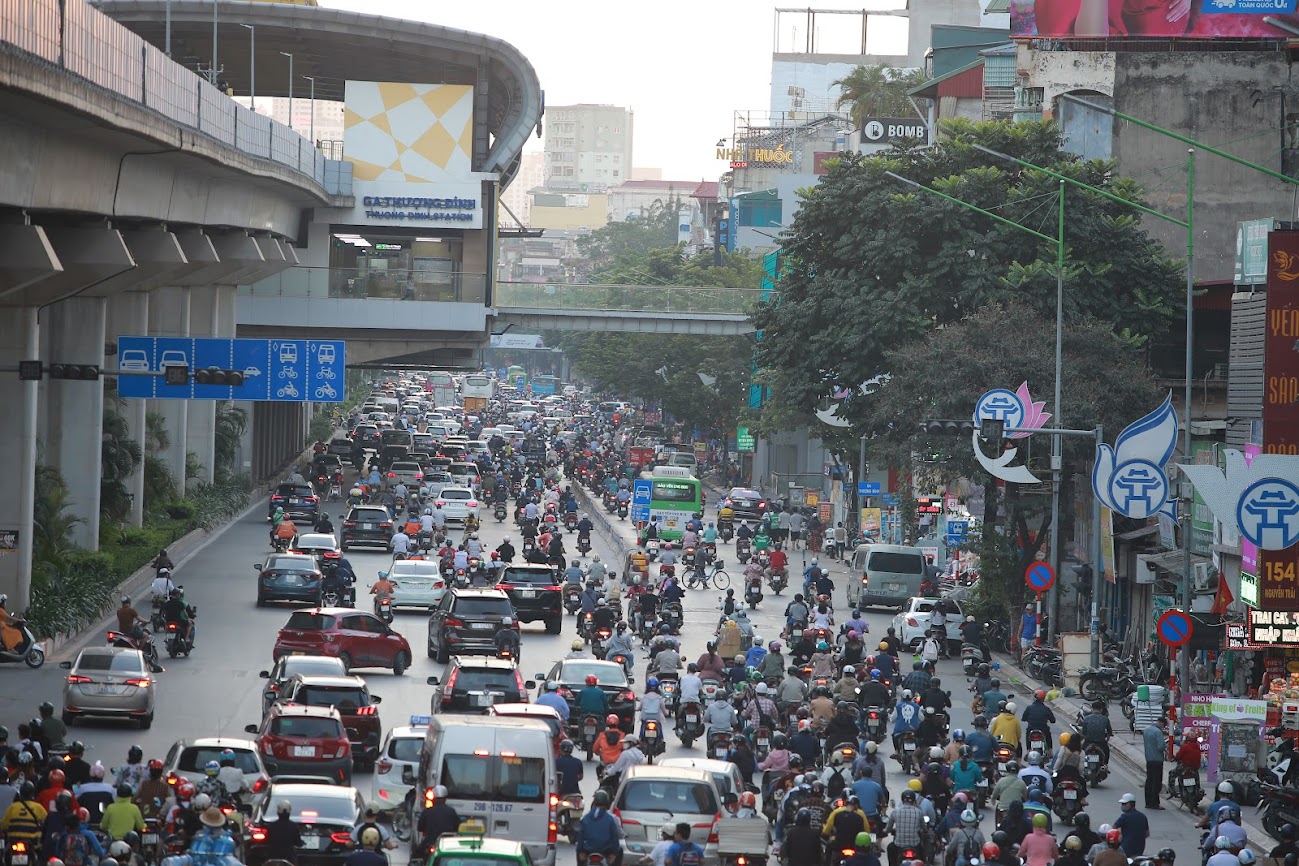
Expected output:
(684, 66)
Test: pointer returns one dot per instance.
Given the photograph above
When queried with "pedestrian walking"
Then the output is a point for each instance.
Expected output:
(1155, 740)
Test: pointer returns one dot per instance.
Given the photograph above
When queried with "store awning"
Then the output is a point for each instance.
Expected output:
(1172, 561)
(1143, 532)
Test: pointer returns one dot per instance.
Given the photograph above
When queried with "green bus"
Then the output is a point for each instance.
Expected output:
(517, 376)
(675, 496)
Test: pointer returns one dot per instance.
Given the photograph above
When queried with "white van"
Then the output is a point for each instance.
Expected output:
(890, 573)
(497, 770)
(685, 459)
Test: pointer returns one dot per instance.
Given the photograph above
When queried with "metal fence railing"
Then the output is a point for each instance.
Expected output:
(76, 37)
(646, 299)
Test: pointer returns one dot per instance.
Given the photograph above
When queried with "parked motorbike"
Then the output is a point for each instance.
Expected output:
(28, 650)
(691, 726)
(1280, 806)
(1280, 760)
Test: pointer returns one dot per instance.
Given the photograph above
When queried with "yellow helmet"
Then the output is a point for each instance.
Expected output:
(1064, 738)
(884, 645)
(578, 645)
(370, 838)
(914, 785)
(730, 623)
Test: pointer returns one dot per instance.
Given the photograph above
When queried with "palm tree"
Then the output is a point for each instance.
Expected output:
(121, 456)
(52, 526)
(878, 91)
(231, 424)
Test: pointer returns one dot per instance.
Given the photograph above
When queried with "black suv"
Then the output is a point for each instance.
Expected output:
(466, 622)
(366, 524)
(747, 504)
(474, 685)
(535, 591)
(366, 436)
(299, 501)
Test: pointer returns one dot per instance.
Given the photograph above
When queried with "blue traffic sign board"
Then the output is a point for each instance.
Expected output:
(890, 499)
(290, 371)
(958, 530)
(641, 490)
(1174, 628)
(868, 488)
(1039, 576)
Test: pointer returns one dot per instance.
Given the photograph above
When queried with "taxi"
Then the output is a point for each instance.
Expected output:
(473, 848)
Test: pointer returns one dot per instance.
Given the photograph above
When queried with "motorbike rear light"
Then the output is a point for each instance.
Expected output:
(18, 847)
(342, 837)
(77, 679)
(257, 834)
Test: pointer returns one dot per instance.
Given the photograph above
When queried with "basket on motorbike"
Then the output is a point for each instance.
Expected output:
(742, 836)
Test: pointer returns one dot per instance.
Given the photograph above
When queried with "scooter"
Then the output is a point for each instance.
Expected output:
(572, 597)
(28, 650)
(743, 550)
(568, 815)
(1184, 785)
(383, 608)
(589, 730)
(570, 521)
(600, 641)
(719, 745)
(691, 726)
(779, 580)
(876, 724)
(177, 643)
(652, 741)
(762, 742)
(1037, 742)
(725, 531)
(1094, 767)
(753, 593)
(20, 852)
(1068, 800)
(145, 645)
(622, 510)
(908, 756)
(1280, 806)
(584, 544)
(971, 658)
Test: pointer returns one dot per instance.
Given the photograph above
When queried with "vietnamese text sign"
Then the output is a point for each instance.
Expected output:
(1205, 19)
(287, 371)
(743, 439)
(1251, 251)
(1278, 589)
(1274, 627)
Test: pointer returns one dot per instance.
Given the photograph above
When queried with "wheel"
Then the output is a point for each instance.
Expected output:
(147, 722)
(346, 660)
(261, 600)
(686, 742)
(399, 664)
(1091, 688)
(442, 656)
(432, 653)
(554, 624)
(69, 719)
(721, 580)
(343, 546)
(34, 658)
(401, 825)
(172, 652)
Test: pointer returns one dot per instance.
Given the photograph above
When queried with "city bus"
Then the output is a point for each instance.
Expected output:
(675, 495)
(544, 386)
(517, 376)
(477, 389)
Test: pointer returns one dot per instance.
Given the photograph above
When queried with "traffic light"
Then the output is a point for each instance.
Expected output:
(76, 372)
(216, 376)
(949, 427)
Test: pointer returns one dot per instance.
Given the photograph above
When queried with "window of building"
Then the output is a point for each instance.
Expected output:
(760, 213)
(615, 172)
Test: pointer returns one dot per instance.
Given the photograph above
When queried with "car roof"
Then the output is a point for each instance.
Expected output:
(481, 593)
(530, 566)
(468, 847)
(599, 663)
(745, 492)
(483, 662)
(217, 742)
(326, 681)
(521, 709)
(105, 651)
(457, 487)
(712, 765)
(305, 789)
(314, 659)
(317, 536)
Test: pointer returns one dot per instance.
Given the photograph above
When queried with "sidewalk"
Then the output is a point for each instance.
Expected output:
(1125, 746)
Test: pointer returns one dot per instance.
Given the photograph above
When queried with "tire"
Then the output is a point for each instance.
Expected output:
(147, 722)
(721, 580)
(261, 600)
(343, 546)
(34, 658)
(431, 653)
(401, 825)
(554, 624)
(347, 662)
(1092, 689)
(686, 742)
(69, 719)
(442, 656)
(399, 664)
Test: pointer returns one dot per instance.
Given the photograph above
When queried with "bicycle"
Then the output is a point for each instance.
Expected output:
(698, 578)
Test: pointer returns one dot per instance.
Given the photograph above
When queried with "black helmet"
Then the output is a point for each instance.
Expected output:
(1166, 854)
(908, 796)
(601, 799)
(47, 708)
(4, 733)
(1287, 832)
(566, 747)
(803, 817)
(984, 667)
(77, 748)
(134, 755)
(26, 791)
(1000, 838)
(63, 799)
(132, 839)
(1082, 819)
(935, 682)
(124, 790)
(995, 683)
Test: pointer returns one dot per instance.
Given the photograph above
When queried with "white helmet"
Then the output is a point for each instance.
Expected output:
(284, 807)
(1034, 758)
(762, 688)
(595, 557)
(935, 754)
(201, 802)
(505, 540)
(440, 792)
(119, 849)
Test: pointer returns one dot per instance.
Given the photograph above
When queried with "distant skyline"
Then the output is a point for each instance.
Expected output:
(654, 59)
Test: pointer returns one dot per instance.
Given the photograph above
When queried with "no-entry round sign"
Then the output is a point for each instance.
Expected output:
(1039, 576)
(1174, 628)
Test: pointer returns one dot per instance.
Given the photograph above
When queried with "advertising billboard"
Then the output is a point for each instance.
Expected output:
(1278, 570)
(1147, 19)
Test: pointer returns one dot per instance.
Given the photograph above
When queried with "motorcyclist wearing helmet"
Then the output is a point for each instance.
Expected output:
(52, 728)
(550, 697)
(773, 663)
(76, 770)
(823, 663)
(906, 718)
(152, 793)
(122, 816)
(1096, 729)
(438, 819)
(620, 642)
(1038, 716)
(972, 634)
(757, 653)
(720, 715)
(571, 770)
(577, 650)
(845, 688)
(980, 741)
(283, 838)
(793, 690)
(853, 650)
(230, 776)
(918, 680)
(210, 784)
(993, 697)
(591, 700)
(25, 816)
(760, 710)
(777, 760)
(133, 771)
(599, 832)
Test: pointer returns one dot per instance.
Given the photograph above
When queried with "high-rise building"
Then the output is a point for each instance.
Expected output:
(517, 197)
(588, 147)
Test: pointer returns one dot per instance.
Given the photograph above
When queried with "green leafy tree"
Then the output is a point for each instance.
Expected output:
(878, 91)
(231, 424)
(654, 228)
(52, 525)
(120, 457)
(873, 266)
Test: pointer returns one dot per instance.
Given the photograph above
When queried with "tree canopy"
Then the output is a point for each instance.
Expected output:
(871, 266)
(878, 91)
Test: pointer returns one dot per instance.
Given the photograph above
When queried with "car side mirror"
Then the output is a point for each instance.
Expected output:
(67, 666)
(433, 681)
(257, 566)
(375, 699)
(539, 677)
(266, 675)
(252, 729)
(270, 694)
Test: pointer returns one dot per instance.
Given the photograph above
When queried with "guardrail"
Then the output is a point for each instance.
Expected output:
(637, 299)
(81, 40)
(357, 283)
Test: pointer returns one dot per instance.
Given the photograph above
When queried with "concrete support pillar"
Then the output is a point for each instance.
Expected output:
(75, 410)
(19, 341)
(29, 258)
(128, 315)
(200, 431)
(169, 317)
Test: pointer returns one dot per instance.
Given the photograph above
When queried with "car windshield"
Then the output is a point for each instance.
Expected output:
(308, 809)
(607, 675)
(405, 748)
(194, 758)
(306, 727)
(305, 620)
(671, 796)
(478, 606)
(290, 563)
(118, 662)
(525, 577)
(486, 679)
(343, 698)
(896, 563)
(674, 491)
(370, 514)
(367, 430)
(494, 777)
(453, 860)
(456, 494)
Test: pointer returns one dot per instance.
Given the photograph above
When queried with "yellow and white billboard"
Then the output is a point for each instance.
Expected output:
(413, 133)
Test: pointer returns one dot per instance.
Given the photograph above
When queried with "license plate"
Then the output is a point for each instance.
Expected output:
(312, 842)
(295, 501)
(363, 526)
(480, 625)
(982, 783)
(1070, 794)
(107, 689)
(893, 587)
(484, 700)
(150, 839)
(910, 747)
(18, 859)
(527, 593)
(692, 719)
(720, 752)
(1188, 784)
(1093, 759)
(1001, 766)
(763, 742)
(304, 751)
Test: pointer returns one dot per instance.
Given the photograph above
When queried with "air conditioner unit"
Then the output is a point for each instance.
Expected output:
(1200, 580)
(1145, 571)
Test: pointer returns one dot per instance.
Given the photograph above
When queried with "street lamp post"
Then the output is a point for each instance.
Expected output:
(313, 108)
(290, 56)
(167, 38)
(252, 65)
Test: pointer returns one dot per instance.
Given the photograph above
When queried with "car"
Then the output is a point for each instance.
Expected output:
(726, 776)
(475, 447)
(109, 681)
(324, 814)
(476, 849)
(406, 472)
(341, 447)
(545, 713)
(650, 796)
(351, 697)
(417, 583)
(437, 481)
(438, 431)
(320, 545)
(187, 758)
(423, 442)
(299, 502)
(304, 741)
(288, 577)
(459, 503)
(466, 622)
(472, 685)
(536, 592)
(397, 770)
(747, 504)
(571, 675)
(136, 360)
(357, 638)
(466, 474)
(912, 624)
(287, 666)
(367, 436)
(369, 525)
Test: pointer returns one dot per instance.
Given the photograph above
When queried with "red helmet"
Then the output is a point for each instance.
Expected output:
(185, 789)
(591, 680)
(155, 764)
(808, 633)
(1113, 837)
(991, 851)
(56, 777)
(747, 800)
(495, 556)
(870, 661)
(1039, 695)
(611, 719)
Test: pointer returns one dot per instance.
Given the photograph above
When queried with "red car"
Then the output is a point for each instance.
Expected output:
(297, 740)
(356, 638)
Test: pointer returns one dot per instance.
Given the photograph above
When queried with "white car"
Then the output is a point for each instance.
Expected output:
(315, 543)
(912, 624)
(726, 776)
(437, 482)
(459, 503)
(187, 758)
(418, 583)
(397, 770)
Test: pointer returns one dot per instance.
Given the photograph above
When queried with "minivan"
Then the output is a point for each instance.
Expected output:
(890, 574)
(651, 796)
(497, 770)
(684, 459)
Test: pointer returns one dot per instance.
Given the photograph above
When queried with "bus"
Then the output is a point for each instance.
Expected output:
(544, 386)
(441, 386)
(517, 376)
(675, 495)
(477, 391)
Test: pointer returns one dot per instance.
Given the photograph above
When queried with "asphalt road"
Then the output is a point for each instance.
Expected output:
(216, 691)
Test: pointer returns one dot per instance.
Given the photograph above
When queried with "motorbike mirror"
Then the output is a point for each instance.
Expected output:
(631, 681)
(433, 681)
(252, 729)
(67, 666)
